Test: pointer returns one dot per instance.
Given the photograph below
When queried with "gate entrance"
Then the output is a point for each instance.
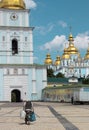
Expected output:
(15, 96)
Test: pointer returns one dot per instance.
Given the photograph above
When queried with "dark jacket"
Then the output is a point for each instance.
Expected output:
(28, 105)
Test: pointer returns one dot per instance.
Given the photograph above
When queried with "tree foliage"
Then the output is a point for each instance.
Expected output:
(50, 73)
(85, 81)
(60, 75)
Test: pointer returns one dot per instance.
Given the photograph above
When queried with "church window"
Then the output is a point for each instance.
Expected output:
(8, 72)
(15, 71)
(14, 33)
(14, 47)
(63, 62)
(25, 38)
(23, 71)
(3, 38)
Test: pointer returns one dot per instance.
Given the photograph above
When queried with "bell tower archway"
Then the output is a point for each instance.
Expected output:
(15, 95)
(14, 46)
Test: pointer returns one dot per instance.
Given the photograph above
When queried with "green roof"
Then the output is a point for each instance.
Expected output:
(57, 80)
(66, 86)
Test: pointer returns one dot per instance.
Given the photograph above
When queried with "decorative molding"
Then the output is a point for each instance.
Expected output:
(33, 80)
(44, 80)
(15, 86)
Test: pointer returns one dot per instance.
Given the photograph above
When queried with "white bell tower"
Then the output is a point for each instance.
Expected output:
(20, 79)
(16, 39)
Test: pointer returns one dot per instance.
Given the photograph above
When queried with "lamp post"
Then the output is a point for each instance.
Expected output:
(25, 96)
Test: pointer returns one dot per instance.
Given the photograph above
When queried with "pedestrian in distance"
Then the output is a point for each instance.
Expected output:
(28, 105)
(30, 115)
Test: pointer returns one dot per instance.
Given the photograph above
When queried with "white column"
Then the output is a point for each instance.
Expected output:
(87, 71)
(31, 47)
(21, 46)
(20, 17)
(1, 18)
(7, 19)
(33, 80)
(26, 19)
(44, 78)
(8, 46)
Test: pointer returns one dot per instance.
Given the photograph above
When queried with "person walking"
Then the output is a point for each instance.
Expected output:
(28, 105)
(28, 108)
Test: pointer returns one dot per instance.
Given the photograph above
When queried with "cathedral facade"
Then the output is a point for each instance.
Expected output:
(71, 64)
(20, 78)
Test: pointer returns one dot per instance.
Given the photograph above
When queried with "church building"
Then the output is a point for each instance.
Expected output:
(70, 63)
(20, 78)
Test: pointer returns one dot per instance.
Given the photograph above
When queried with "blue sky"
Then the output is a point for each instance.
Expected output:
(52, 20)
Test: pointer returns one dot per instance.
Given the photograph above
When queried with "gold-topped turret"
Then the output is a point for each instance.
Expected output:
(48, 60)
(87, 55)
(58, 61)
(71, 49)
(66, 55)
(12, 4)
(70, 38)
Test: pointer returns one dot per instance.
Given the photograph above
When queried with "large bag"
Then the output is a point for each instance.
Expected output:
(22, 114)
(32, 117)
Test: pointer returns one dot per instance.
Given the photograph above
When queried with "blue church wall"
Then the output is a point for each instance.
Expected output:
(83, 72)
(23, 44)
(1, 85)
(15, 60)
(39, 76)
(29, 83)
(4, 19)
(2, 45)
(26, 58)
(39, 84)
(12, 22)
(23, 21)
(3, 58)
(16, 48)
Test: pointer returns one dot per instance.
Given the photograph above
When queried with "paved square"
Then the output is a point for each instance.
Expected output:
(50, 116)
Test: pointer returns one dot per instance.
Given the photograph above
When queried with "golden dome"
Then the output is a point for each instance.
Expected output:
(12, 4)
(87, 55)
(48, 60)
(66, 55)
(57, 62)
(70, 38)
(72, 49)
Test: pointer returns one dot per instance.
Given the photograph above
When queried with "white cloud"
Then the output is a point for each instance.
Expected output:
(57, 43)
(81, 40)
(44, 30)
(62, 23)
(49, 27)
(30, 4)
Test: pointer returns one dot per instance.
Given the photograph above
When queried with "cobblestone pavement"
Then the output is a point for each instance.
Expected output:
(50, 116)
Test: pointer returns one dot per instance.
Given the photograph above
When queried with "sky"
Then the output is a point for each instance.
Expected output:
(54, 20)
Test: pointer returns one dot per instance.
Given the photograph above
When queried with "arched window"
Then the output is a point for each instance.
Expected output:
(14, 47)
(23, 71)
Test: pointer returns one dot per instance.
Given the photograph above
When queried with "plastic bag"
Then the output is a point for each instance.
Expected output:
(22, 114)
(32, 117)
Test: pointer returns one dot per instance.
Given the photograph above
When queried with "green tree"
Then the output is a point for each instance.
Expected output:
(50, 73)
(85, 81)
(60, 75)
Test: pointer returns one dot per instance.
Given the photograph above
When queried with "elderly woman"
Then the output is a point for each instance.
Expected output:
(28, 107)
